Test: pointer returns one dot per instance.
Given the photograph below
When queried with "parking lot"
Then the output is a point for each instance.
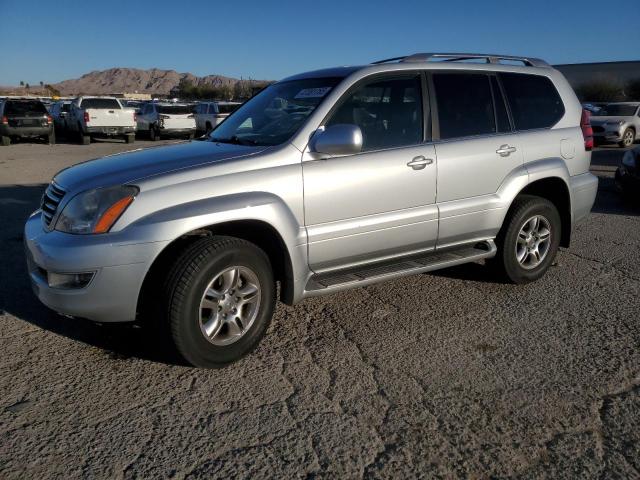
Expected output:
(450, 374)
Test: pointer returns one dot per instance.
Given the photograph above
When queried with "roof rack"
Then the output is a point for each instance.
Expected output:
(457, 57)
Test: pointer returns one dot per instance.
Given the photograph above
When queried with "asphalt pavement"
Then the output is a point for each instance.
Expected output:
(443, 375)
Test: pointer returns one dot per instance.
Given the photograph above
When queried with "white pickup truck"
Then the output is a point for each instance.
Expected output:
(101, 117)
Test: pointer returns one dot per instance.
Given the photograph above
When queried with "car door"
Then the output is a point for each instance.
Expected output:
(380, 202)
(477, 150)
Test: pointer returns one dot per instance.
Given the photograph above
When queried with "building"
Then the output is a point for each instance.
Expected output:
(617, 73)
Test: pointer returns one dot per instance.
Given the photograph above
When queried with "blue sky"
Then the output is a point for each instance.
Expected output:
(57, 40)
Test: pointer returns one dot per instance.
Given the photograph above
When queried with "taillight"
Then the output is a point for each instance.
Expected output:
(49, 119)
(5, 120)
(587, 131)
(87, 119)
(135, 117)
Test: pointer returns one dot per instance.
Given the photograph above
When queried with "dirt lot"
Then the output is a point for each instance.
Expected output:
(435, 375)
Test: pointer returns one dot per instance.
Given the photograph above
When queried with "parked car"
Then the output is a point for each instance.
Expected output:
(25, 118)
(166, 119)
(336, 189)
(210, 114)
(91, 117)
(59, 112)
(617, 123)
(627, 178)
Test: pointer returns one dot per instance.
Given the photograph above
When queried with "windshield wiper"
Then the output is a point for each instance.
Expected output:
(235, 140)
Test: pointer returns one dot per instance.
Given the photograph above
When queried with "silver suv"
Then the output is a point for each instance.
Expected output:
(324, 181)
(617, 123)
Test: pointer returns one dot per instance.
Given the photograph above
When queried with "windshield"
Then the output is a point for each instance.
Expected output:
(175, 109)
(617, 111)
(275, 114)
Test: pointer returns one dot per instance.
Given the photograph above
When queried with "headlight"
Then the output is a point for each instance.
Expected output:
(628, 159)
(95, 211)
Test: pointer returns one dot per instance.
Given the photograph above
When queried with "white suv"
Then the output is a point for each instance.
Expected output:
(166, 119)
(210, 114)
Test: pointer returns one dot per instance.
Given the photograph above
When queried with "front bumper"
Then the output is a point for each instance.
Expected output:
(584, 188)
(607, 134)
(120, 265)
(110, 131)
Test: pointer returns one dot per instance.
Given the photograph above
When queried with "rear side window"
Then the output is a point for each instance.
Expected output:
(465, 104)
(100, 103)
(534, 101)
(24, 108)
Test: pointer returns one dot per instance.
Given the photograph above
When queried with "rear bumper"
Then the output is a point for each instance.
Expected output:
(177, 131)
(119, 266)
(109, 131)
(584, 188)
(8, 131)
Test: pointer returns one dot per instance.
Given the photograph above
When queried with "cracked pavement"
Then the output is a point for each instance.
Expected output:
(442, 375)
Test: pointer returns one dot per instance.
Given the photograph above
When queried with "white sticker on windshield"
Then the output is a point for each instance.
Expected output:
(312, 92)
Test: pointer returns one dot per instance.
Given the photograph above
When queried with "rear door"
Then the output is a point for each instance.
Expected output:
(477, 149)
(381, 201)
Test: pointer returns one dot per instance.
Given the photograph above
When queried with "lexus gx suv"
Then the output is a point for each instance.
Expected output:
(324, 181)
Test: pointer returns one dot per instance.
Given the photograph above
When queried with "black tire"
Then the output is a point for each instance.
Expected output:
(506, 262)
(208, 128)
(130, 138)
(185, 284)
(628, 137)
(5, 141)
(154, 135)
(51, 138)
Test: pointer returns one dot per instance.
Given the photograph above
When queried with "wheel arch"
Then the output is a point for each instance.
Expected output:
(259, 232)
(556, 190)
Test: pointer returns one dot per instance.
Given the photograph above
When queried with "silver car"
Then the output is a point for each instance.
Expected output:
(617, 123)
(324, 181)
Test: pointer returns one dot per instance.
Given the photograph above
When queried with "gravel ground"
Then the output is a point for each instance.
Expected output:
(446, 375)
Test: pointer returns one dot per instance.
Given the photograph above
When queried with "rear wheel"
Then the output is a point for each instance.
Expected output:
(154, 135)
(529, 239)
(191, 136)
(130, 138)
(628, 137)
(208, 128)
(5, 141)
(219, 298)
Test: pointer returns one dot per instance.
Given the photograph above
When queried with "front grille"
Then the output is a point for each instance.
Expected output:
(50, 200)
(598, 129)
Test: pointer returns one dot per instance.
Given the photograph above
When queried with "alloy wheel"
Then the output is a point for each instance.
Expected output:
(534, 240)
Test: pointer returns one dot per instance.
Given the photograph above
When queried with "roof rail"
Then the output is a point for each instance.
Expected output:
(456, 57)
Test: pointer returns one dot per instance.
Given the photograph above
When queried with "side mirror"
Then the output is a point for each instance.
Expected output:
(341, 139)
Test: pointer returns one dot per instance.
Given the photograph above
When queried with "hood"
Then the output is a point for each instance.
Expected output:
(128, 167)
(598, 120)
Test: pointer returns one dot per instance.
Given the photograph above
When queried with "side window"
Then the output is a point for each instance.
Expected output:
(389, 112)
(502, 118)
(465, 105)
(534, 101)
(212, 108)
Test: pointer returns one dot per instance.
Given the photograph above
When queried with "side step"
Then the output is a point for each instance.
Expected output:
(324, 283)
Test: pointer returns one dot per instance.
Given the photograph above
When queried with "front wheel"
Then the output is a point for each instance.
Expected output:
(220, 295)
(529, 239)
(154, 135)
(628, 137)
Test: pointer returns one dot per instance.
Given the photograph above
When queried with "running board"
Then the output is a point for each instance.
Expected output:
(321, 284)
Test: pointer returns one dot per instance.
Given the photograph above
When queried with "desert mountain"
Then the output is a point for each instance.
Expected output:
(154, 81)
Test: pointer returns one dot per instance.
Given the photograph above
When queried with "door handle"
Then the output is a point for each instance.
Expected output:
(418, 163)
(505, 150)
